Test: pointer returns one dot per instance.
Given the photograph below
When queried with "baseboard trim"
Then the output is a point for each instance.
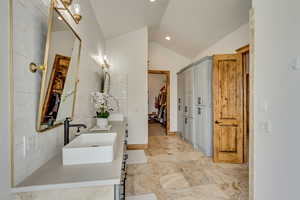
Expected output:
(137, 146)
(172, 133)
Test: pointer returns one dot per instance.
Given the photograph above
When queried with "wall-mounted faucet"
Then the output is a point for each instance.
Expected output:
(67, 126)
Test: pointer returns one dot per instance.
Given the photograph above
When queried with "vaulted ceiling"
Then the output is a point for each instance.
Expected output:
(193, 25)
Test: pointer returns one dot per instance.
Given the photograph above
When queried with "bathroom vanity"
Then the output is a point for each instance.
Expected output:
(99, 181)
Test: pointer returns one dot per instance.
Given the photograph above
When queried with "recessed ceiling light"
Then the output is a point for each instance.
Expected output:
(168, 38)
(152, 0)
(59, 17)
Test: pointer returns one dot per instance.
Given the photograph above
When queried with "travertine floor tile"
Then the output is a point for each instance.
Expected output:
(205, 192)
(173, 181)
(175, 171)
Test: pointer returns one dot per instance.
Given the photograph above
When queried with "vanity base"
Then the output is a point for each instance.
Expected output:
(87, 193)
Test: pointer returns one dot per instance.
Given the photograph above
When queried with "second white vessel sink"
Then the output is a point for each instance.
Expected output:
(90, 148)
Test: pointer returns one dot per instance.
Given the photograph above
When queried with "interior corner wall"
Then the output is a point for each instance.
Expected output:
(128, 55)
(5, 100)
(228, 44)
(31, 149)
(276, 99)
(162, 58)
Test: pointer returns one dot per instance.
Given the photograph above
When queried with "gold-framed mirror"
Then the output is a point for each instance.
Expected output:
(59, 71)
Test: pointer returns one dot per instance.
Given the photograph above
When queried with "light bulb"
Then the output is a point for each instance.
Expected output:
(105, 57)
(77, 8)
(168, 38)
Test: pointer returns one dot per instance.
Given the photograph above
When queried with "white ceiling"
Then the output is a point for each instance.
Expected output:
(117, 17)
(193, 25)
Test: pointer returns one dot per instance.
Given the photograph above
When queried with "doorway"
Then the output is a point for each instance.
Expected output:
(231, 106)
(158, 102)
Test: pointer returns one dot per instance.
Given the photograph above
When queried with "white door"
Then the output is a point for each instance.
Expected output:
(188, 92)
(199, 124)
(180, 103)
(206, 79)
(186, 129)
(197, 90)
(203, 131)
(201, 75)
(191, 133)
(202, 81)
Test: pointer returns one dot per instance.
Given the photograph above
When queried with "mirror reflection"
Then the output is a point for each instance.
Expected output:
(60, 77)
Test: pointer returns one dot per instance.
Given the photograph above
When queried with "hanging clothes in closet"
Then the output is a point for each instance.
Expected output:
(161, 106)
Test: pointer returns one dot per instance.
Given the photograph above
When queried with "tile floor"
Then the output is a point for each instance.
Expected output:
(175, 171)
(156, 129)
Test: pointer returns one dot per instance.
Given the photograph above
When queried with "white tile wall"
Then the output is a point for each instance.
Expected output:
(119, 90)
(32, 149)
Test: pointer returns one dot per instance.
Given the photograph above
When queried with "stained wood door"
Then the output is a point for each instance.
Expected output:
(228, 106)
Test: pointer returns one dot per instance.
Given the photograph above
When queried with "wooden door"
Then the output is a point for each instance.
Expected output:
(228, 105)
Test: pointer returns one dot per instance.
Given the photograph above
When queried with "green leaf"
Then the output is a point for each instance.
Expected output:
(104, 114)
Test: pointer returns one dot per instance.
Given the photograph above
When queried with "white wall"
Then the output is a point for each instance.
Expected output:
(155, 83)
(228, 44)
(162, 58)
(276, 84)
(129, 54)
(4, 89)
(30, 26)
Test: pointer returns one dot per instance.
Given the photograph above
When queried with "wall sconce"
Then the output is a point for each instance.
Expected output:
(67, 2)
(76, 14)
(104, 63)
(75, 7)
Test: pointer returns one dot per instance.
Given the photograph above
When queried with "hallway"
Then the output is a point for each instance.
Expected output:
(156, 129)
(175, 171)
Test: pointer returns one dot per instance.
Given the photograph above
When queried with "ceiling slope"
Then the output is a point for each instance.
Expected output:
(193, 25)
(117, 17)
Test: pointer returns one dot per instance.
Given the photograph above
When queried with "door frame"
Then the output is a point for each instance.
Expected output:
(167, 73)
(245, 50)
(245, 53)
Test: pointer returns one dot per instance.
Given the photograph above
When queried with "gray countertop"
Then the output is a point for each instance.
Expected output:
(53, 175)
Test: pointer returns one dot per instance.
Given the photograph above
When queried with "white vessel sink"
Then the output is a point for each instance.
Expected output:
(90, 148)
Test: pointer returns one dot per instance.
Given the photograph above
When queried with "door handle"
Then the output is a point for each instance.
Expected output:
(199, 100)
(199, 111)
(217, 122)
(185, 109)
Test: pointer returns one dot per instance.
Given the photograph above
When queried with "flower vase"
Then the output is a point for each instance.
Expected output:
(102, 122)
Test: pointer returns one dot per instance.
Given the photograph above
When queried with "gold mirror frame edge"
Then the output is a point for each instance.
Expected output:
(53, 9)
(76, 17)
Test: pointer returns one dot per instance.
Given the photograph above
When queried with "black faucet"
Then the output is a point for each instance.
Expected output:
(67, 126)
